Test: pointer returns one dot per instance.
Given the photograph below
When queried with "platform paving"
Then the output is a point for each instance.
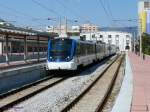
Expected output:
(141, 83)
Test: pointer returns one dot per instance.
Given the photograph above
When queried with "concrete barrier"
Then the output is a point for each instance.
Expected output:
(35, 56)
(124, 99)
(13, 78)
(20, 56)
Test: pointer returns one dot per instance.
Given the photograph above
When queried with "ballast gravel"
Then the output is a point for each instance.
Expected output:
(57, 97)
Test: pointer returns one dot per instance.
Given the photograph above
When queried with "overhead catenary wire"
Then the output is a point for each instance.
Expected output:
(46, 8)
(54, 12)
(115, 22)
(107, 13)
(32, 18)
(102, 4)
(8, 13)
(16, 11)
(70, 10)
(19, 13)
(51, 10)
(73, 12)
(109, 9)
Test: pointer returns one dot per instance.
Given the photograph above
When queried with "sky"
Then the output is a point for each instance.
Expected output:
(34, 13)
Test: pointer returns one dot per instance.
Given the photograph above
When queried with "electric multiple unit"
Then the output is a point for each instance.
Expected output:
(69, 54)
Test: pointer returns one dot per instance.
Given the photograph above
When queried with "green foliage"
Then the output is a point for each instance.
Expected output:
(74, 34)
(146, 44)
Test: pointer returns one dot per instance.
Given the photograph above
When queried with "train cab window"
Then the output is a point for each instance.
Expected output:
(60, 49)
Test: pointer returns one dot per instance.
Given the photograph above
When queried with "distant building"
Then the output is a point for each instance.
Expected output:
(63, 29)
(55, 29)
(121, 39)
(85, 28)
(75, 28)
(143, 5)
(144, 16)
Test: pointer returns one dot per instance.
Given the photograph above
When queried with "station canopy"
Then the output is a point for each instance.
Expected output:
(18, 31)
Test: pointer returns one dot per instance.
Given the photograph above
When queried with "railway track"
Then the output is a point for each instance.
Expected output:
(115, 89)
(15, 96)
(94, 97)
(8, 100)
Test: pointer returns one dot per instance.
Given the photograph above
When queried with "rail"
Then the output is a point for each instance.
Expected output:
(81, 100)
(13, 97)
(16, 96)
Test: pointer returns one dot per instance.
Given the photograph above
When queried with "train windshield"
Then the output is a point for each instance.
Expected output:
(60, 50)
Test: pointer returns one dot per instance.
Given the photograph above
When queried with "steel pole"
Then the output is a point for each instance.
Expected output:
(140, 34)
(60, 26)
(66, 25)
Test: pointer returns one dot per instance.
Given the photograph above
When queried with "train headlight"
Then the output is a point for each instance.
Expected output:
(67, 58)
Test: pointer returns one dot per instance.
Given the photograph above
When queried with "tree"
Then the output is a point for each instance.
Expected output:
(146, 43)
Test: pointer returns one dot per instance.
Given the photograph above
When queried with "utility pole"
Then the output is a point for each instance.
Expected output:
(66, 25)
(59, 26)
(140, 34)
(90, 31)
(134, 35)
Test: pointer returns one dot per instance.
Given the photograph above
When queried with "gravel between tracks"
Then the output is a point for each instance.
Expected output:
(115, 91)
(57, 97)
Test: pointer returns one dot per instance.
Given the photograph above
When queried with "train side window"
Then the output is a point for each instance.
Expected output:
(89, 49)
(83, 49)
(93, 49)
(86, 49)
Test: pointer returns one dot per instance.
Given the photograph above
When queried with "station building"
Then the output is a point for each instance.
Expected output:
(14, 38)
(122, 40)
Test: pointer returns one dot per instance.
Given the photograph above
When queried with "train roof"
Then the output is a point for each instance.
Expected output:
(79, 40)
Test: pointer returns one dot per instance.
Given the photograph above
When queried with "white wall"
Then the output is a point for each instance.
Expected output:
(123, 37)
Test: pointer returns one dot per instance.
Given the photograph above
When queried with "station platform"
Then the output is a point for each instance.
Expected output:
(134, 95)
(141, 83)
(15, 64)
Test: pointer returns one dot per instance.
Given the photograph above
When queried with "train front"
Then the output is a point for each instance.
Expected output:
(61, 52)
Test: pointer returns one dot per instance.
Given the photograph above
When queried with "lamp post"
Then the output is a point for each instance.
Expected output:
(58, 29)
(140, 34)
(66, 23)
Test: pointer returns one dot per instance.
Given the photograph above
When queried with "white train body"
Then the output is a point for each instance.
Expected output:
(68, 54)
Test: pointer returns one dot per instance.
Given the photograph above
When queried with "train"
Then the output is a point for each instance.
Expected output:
(70, 54)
